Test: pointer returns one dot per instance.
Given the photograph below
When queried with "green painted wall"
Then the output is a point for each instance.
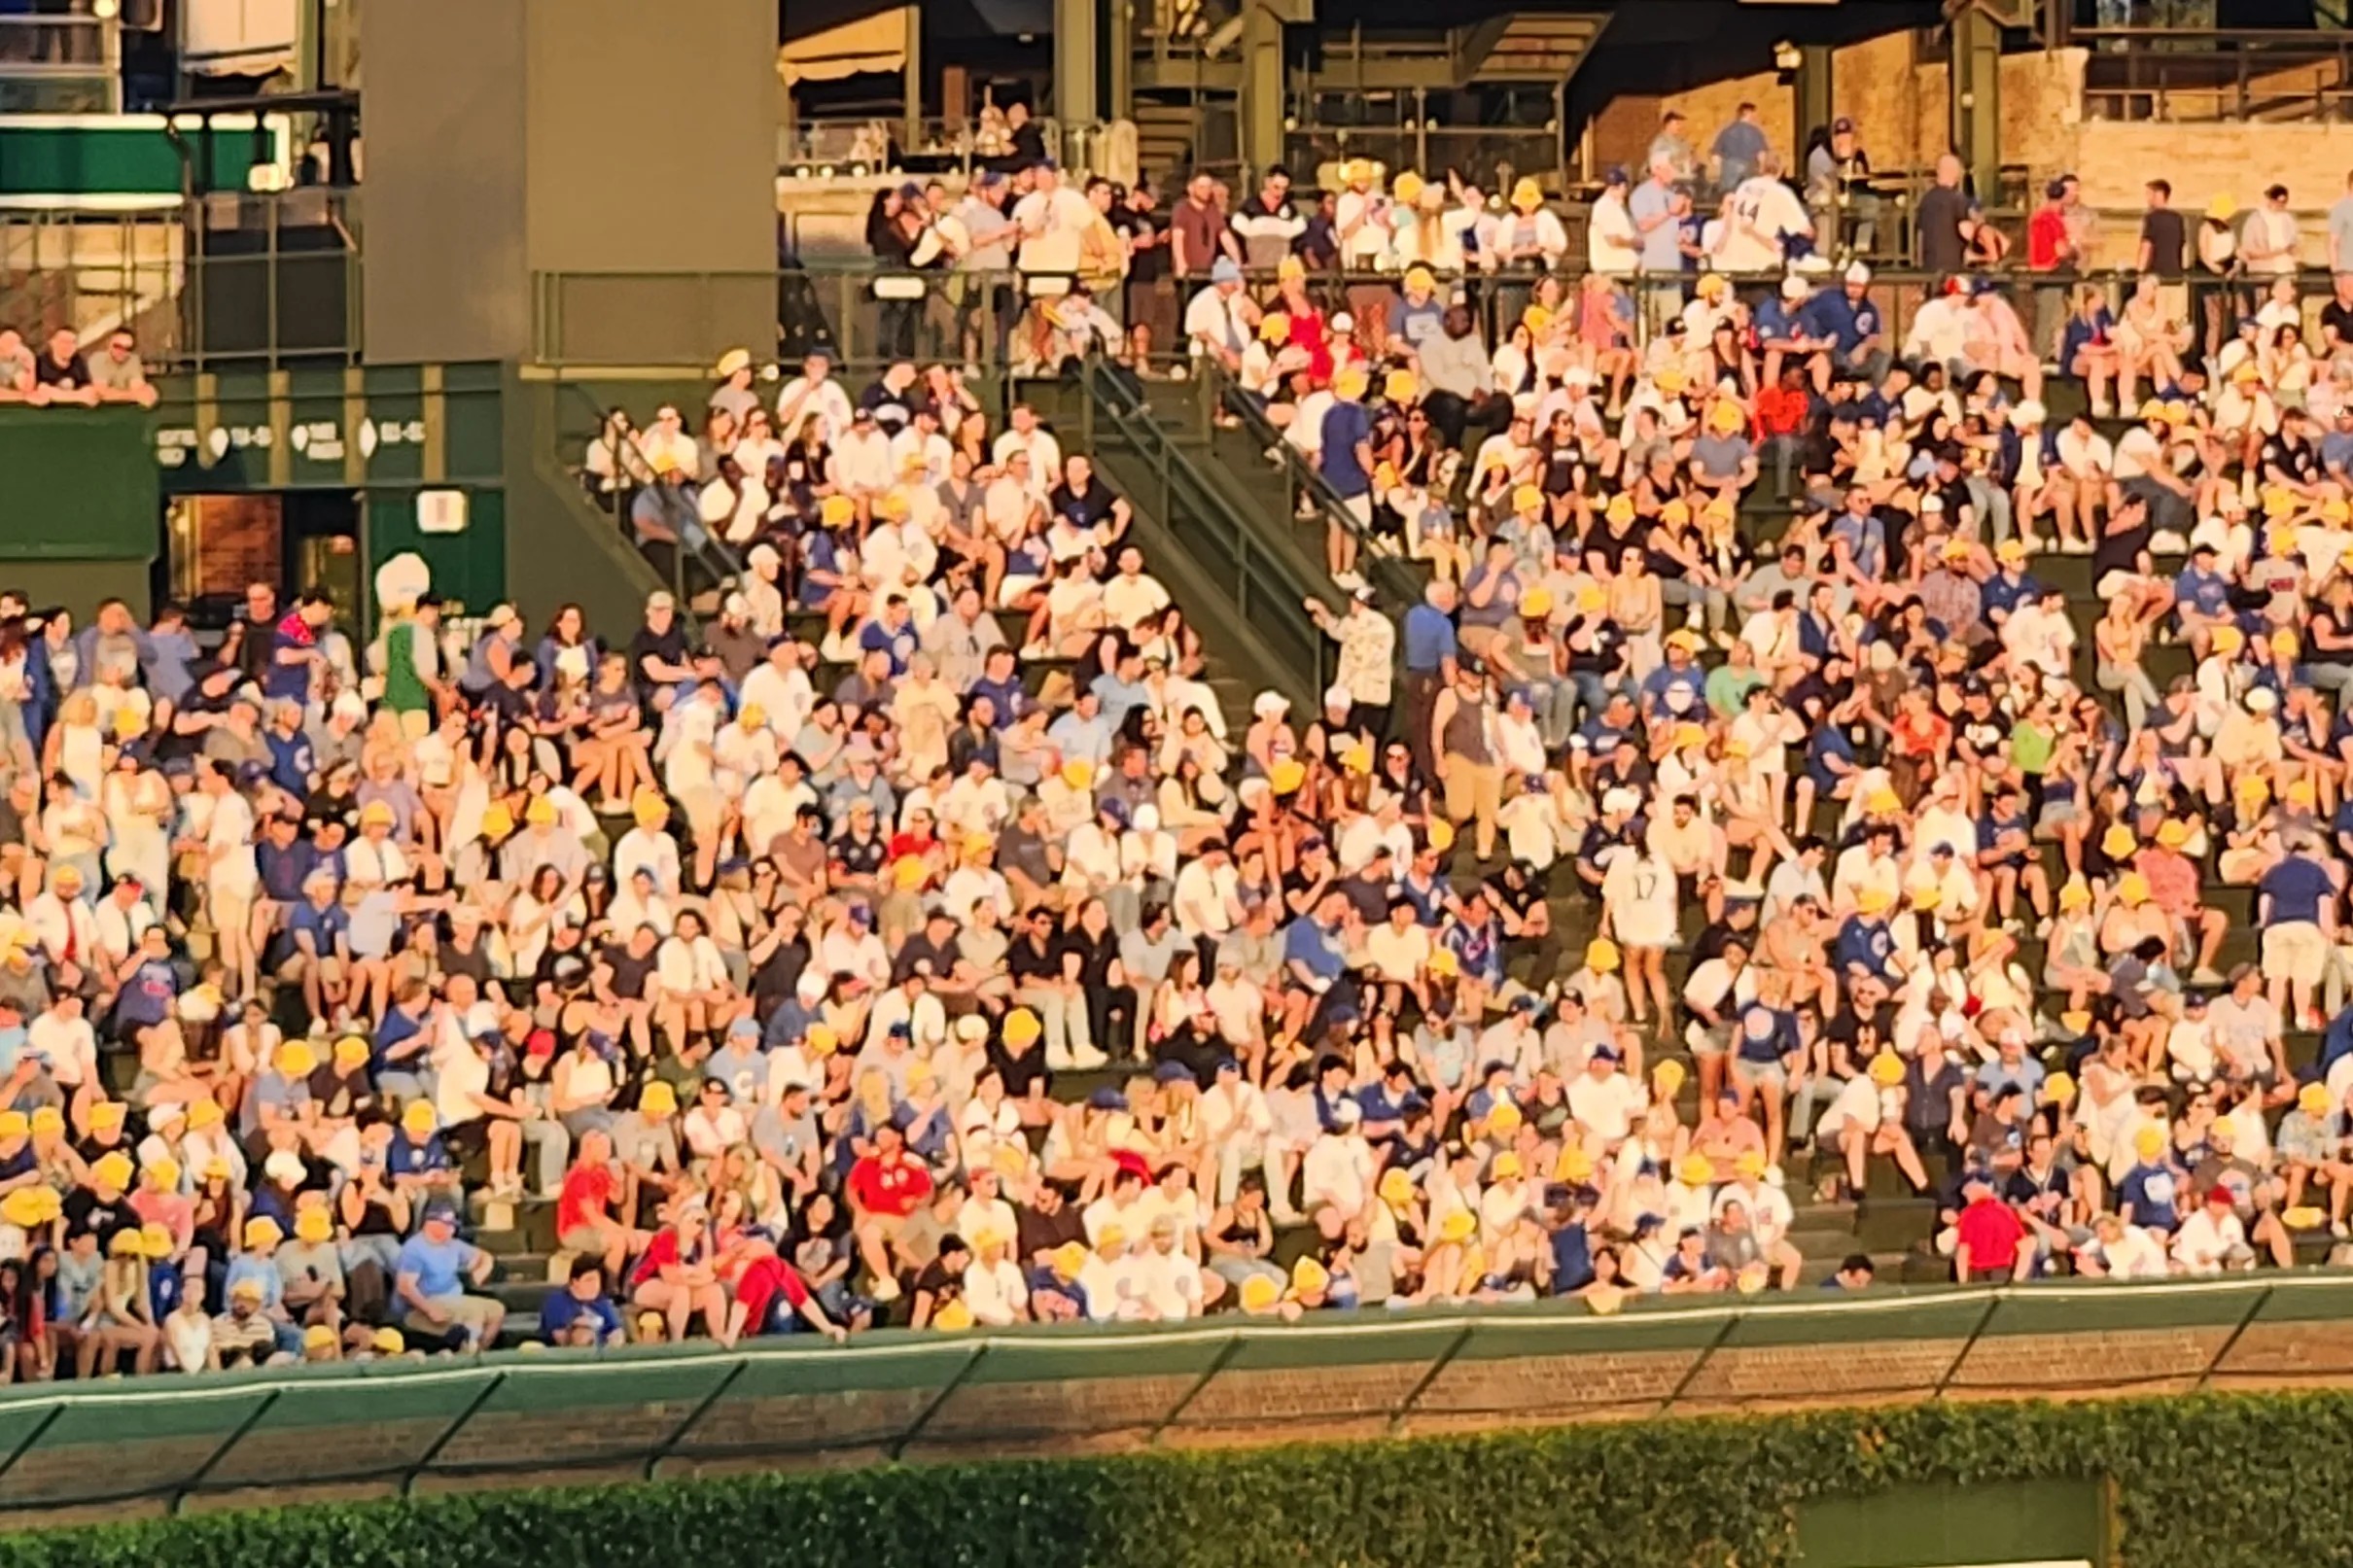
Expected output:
(124, 156)
(468, 568)
(80, 586)
(330, 427)
(560, 548)
(76, 484)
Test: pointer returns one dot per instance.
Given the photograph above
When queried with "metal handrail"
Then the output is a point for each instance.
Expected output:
(1396, 585)
(839, 307)
(1267, 588)
(715, 555)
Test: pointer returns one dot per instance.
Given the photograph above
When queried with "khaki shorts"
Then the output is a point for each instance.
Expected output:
(2296, 953)
(231, 912)
(705, 808)
(465, 1311)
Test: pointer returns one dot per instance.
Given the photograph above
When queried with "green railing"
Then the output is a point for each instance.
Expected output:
(862, 315)
(395, 1426)
(866, 316)
(225, 281)
(1398, 586)
(689, 565)
(1264, 586)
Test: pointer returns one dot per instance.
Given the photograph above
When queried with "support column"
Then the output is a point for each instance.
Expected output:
(1976, 81)
(1119, 58)
(1262, 87)
(911, 82)
(1810, 96)
(1077, 93)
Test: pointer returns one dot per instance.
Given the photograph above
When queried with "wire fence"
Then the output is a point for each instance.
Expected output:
(397, 1427)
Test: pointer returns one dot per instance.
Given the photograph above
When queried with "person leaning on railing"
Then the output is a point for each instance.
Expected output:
(16, 367)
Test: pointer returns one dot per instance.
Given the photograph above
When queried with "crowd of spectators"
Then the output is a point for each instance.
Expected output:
(1738, 822)
(1938, 907)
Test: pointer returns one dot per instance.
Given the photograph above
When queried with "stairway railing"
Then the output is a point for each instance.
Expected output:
(700, 560)
(1263, 586)
(1397, 584)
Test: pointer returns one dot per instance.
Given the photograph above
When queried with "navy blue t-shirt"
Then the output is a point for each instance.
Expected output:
(2297, 887)
(560, 1310)
(1346, 426)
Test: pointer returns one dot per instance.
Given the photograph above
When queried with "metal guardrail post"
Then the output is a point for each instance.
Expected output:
(668, 1444)
(269, 252)
(1421, 1384)
(1976, 1334)
(1226, 1353)
(2223, 1351)
(26, 1443)
(182, 1492)
(1691, 1373)
(449, 1432)
(947, 1391)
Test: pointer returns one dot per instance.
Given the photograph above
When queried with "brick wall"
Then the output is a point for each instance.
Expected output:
(1897, 96)
(2206, 161)
(1898, 99)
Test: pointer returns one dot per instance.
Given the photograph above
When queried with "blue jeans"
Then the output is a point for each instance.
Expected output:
(1554, 701)
(1592, 695)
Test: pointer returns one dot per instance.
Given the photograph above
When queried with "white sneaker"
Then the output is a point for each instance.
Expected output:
(1086, 1059)
(1346, 581)
(885, 1290)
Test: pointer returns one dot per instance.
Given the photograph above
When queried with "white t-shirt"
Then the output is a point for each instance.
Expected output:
(1763, 209)
(1612, 245)
(1052, 222)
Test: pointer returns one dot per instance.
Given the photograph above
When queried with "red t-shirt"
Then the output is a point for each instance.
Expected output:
(586, 1198)
(1919, 735)
(1991, 1231)
(1782, 412)
(2047, 239)
(660, 1253)
(893, 1190)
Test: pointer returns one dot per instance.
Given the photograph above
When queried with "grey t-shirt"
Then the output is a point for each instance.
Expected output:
(110, 374)
(2340, 232)
(1146, 961)
(782, 1137)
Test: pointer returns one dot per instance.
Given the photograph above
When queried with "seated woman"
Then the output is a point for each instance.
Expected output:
(2088, 349)
(2149, 341)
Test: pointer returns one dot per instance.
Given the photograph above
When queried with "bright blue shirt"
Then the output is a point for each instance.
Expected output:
(1430, 638)
(1306, 943)
(439, 1267)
